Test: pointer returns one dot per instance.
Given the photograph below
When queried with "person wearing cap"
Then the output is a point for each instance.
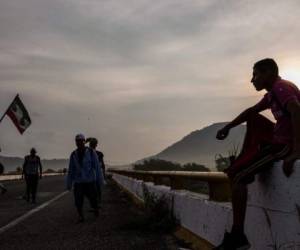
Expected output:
(32, 171)
(93, 143)
(83, 172)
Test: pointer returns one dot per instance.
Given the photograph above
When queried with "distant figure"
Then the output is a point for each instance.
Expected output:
(264, 142)
(83, 172)
(64, 171)
(32, 171)
(93, 143)
(2, 187)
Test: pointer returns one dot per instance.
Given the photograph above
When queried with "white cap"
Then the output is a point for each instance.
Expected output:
(79, 137)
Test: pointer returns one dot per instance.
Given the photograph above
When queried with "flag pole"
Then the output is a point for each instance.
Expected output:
(2, 117)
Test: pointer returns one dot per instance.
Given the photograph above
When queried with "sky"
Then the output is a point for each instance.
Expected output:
(138, 75)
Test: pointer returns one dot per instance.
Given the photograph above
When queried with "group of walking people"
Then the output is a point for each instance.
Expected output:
(86, 174)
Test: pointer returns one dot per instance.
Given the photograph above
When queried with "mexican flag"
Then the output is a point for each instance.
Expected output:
(18, 114)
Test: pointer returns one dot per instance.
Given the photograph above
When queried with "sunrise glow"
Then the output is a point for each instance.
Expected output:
(292, 74)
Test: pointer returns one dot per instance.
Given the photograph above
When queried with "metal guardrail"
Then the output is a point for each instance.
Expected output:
(218, 182)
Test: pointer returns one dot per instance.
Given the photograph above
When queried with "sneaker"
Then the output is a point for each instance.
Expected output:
(96, 213)
(240, 242)
(4, 190)
(234, 242)
(225, 245)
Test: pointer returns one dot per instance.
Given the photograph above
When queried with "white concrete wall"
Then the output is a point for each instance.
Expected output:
(19, 177)
(273, 212)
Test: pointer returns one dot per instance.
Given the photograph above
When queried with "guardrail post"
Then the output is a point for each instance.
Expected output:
(177, 183)
(148, 178)
(219, 191)
(158, 180)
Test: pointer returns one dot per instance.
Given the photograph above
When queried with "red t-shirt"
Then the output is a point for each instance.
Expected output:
(284, 92)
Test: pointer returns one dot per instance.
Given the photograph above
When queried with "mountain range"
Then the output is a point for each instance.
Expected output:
(201, 146)
(11, 163)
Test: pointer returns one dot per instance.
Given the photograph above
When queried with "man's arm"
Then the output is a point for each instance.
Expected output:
(40, 167)
(70, 173)
(98, 169)
(103, 167)
(241, 118)
(101, 160)
(23, 167)
(293, 107)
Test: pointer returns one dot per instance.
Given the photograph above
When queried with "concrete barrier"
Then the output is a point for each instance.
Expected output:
(10, 177)
(273, 211)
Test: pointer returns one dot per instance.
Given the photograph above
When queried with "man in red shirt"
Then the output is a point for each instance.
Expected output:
(264, 142)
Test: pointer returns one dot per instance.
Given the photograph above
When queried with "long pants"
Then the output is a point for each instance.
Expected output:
(31, 186)
(99, 192)
(258, 154)
(2, 187)
(82, 190)
(259, 151)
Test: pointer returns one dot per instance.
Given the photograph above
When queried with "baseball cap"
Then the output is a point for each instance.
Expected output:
(79, 137)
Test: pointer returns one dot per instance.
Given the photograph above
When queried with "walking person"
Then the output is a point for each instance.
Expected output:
(83, 172)
(264, 142)
(2, 187)
(93, 143)
(32, 172)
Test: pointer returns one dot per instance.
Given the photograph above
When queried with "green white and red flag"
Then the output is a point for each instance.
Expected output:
(18, 114)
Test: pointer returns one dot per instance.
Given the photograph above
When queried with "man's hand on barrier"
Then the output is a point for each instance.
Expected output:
(230, 171)
(222, 133)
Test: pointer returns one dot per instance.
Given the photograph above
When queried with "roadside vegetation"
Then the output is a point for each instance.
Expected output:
(163, 165)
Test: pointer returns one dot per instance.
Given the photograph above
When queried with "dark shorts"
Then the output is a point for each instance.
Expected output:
(252, 163)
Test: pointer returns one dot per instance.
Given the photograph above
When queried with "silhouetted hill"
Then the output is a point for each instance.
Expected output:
(11, 163)
(201, 146)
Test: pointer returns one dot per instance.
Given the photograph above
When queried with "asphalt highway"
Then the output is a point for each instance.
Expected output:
(55, 225)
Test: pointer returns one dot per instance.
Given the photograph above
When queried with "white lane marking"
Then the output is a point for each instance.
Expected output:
(31, 212)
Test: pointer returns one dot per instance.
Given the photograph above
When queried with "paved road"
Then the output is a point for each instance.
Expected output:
(54, 227)
(12, 205)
